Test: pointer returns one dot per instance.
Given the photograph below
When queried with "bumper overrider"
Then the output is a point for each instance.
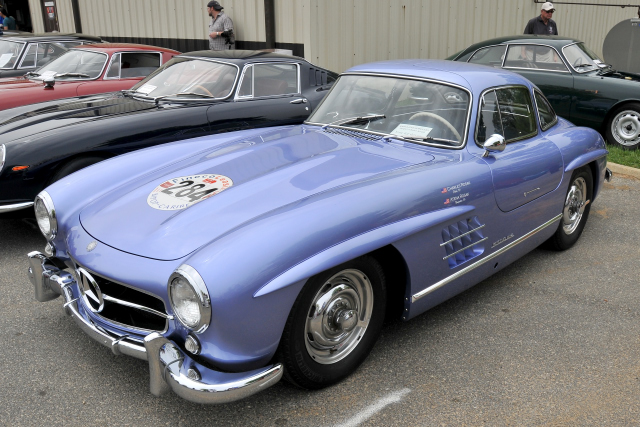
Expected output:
(170, 368)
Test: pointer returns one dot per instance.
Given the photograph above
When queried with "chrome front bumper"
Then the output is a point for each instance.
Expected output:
(170, 368)
(15, 207)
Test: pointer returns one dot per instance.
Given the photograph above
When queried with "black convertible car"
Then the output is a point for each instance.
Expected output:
(194, 94)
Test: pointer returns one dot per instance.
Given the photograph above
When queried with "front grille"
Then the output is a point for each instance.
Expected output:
(126, 306)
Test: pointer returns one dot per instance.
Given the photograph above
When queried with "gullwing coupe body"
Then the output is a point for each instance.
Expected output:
(231, 261)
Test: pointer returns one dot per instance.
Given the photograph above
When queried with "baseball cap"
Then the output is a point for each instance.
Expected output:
(216, 5)
(545, 6)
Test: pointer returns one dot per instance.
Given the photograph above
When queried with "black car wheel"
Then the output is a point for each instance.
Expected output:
(623, 129)
(575, 211)
(333, 324)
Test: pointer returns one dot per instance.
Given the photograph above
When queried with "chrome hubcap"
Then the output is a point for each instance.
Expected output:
(574, 205)
(626, 128)
(338, 316)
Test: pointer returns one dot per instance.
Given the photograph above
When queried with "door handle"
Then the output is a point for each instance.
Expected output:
(298, 101)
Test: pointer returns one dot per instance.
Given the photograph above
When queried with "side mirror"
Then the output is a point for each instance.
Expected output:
(49, 82)
(494, 144)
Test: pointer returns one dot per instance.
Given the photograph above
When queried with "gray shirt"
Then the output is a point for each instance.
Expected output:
(537, 26)
(222, 23)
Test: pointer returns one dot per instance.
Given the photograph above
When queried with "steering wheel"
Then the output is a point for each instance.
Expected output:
(204, 89)
(577, 62)
(442, 120)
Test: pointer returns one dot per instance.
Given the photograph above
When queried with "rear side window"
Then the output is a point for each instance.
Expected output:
(508, 112)
(546, 114)
(269, 80)
(491, 56)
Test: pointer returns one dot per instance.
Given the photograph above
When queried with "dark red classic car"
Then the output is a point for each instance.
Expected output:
(84, 70)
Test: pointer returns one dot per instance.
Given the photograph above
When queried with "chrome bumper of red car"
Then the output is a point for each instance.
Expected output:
(170, 368)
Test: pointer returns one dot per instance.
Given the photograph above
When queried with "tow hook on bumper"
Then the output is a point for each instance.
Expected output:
(170, 368)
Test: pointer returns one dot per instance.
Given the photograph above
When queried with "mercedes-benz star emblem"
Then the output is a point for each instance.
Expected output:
(90, 291)
(91, 246)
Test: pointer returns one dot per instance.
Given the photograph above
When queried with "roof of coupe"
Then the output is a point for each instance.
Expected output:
(28, 37)
(555, 41)
(470, 76)
(239, 55)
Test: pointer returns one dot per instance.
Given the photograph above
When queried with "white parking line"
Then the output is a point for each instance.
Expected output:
(371, 410)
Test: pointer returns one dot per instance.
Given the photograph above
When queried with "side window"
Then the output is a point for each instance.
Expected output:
(538, 57)
(246, 88)
(546, 114)
(138, 64)
(516, 113)
(489, 56)
(275, 79)
(489, 118)
(30, 56)
(114, 68)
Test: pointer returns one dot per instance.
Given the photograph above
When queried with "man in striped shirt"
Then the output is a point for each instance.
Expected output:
(220, 22)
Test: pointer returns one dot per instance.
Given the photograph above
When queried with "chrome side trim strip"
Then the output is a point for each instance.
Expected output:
(17, 206)
(136, 306)
(462, 235)
(465, 248)
(484, 260)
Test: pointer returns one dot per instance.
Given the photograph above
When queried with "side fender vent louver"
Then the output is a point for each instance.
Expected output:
(462, 241)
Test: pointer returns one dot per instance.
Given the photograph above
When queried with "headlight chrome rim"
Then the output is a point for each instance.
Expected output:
(197, 284)
(47, 201)
(3, 155)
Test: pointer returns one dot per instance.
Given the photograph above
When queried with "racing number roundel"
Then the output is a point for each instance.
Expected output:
(182, 192)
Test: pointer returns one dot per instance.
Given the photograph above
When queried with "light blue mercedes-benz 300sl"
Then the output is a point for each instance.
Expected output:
(230, 261)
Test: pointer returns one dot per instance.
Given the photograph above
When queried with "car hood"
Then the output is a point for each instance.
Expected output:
(58, 114)
(268, 173)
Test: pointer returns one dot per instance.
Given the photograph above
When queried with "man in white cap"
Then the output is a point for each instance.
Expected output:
(543, 24)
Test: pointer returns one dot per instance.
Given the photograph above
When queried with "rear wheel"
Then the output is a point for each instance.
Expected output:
(575, 212)
(623, 129)
(334, 324)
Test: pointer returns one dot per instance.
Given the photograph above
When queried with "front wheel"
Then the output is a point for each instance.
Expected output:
(575, 212)
(623, 129)
(333, 324)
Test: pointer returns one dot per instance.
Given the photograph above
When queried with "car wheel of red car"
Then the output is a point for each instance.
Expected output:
(73, 166)
(575, 211)
(334, 324)
(623, 129)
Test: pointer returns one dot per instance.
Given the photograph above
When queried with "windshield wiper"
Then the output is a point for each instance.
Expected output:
(71, 75)
(584, 65)
(357, 120)
(428, 139)
(605, 71)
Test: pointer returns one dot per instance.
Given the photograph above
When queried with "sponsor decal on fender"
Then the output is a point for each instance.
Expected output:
(182, 192)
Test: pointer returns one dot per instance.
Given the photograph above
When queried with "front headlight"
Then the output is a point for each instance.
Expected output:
(46, 215)
(189, 298)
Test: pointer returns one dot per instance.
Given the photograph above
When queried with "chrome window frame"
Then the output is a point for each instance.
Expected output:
(424, 79)
(198, 58)
(509, 45)
(120, 71)
(555, 116)
(247, 66)
(23, 56)
(20, 54)
(494, 88)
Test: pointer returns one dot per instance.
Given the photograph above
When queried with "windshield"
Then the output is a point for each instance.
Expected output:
(73, 64)
(9, 53)
(581, 58)
(409, 109)
(188, 78)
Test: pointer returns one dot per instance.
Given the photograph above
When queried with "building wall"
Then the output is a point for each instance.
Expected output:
(337, 34)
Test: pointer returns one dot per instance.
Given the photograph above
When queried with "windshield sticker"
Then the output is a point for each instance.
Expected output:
(146, 89)
(5, 58)
(411, 131)
(182, 192)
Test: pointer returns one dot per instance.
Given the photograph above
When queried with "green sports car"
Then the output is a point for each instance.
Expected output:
(579, 85)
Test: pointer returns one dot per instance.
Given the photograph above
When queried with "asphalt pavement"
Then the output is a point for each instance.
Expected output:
(552, 339)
